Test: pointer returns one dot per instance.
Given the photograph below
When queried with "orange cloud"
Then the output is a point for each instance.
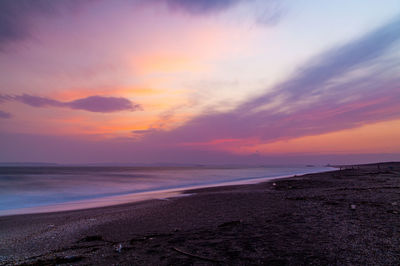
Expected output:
(372, 138)
(166, 63)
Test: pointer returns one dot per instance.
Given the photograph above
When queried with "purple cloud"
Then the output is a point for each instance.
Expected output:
(198, 7)
(13, 16)
(4, 98)
(16, 16)
(4, 114)
(103, 104)
(99, 104)
(321, 97)
(37, 101)
(269, 12)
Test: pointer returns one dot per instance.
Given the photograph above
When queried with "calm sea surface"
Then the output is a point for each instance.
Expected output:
(41, 189)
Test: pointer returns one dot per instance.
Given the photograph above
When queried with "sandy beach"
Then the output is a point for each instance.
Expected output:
(351, 216)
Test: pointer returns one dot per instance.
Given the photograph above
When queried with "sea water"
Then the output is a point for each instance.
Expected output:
(56, 188)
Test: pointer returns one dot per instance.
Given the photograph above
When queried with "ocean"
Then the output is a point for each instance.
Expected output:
(58, 188)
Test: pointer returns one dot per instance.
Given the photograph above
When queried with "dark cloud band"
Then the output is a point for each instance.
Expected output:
(99, 104)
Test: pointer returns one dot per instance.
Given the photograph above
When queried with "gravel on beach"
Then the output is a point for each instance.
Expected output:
(351, 216)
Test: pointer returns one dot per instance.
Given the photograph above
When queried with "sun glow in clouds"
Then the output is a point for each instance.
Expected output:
(198, 79)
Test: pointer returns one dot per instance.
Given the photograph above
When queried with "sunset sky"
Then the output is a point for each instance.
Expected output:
(199, 81)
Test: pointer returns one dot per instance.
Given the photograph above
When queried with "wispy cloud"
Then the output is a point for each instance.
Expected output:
(266, 12)
(4, 114)
(4, 98)
(16, 16)
(198, 7)
(144, 131)
(342, 88)
(98, 104)
(271, 13)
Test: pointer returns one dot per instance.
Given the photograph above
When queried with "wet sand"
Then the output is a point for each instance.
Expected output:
(334, 218)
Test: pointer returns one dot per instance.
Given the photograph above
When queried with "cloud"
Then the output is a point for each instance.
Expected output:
(271, 13)
(199, 7)
(4, 98)
(144, 131)
(99, 104)
(37, 101)
(13, 16)
(103, 104)
(345, 87)
(314, 76)
(4, 114)
(16, 16)
(265, 13)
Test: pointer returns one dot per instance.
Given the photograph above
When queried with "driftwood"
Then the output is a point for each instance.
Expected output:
(194, 256)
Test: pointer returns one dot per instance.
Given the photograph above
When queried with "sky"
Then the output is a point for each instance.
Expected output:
(199, 81)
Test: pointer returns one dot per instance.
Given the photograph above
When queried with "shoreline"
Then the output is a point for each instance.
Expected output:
(338, 217)
(138, 196)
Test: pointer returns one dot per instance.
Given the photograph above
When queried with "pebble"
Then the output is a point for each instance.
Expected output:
(119, 248)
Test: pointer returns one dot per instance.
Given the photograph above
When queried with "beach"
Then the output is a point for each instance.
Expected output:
(343, 217)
